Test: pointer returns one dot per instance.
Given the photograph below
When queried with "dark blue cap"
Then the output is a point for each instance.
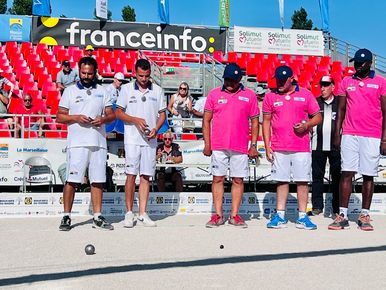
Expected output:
(362, 55)
(232, 71)
(283, 72)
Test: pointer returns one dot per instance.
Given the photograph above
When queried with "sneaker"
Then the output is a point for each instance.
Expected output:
(305, 223)
(102, 223)
(364, 223)
(146, 220)
(277, 222)
(129, 220)
(237, 221)
(215, 221)
(340, 223)
(65, 224)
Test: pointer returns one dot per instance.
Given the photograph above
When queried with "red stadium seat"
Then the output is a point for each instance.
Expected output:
(232, 57)
(4, 130)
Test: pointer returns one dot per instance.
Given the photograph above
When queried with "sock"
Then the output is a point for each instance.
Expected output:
(96, 215)
(343, 210)
(365, 211)
(67, 213)
(302, 214)
(281, 213)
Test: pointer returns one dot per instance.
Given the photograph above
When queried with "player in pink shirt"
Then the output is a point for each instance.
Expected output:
(228, 110)
(362, 109)
(290, 113)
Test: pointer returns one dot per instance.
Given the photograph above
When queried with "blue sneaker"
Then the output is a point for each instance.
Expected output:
(277, 222)
(305, 223)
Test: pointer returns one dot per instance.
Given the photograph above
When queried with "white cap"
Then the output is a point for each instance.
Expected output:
(326, 79)
(119, 76)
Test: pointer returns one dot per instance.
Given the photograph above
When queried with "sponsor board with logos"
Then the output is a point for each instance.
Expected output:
(163, 204)
(274, 40)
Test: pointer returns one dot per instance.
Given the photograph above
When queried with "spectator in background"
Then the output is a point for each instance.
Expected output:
(89, 51)
(322, 149)
(198, 112)
(115, 87)
(180, 106)
(4, 96)
(86, 108)
(169, 152)
(260, 93)
(27, 122)
(362, 116)
(228, 110)
(141, 106)
(286, 113)
(66, 77)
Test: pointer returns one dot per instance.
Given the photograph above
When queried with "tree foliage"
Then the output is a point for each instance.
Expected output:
(21, 7)
(109, 15)
(300, 21)
(128, 13)
(3, 6)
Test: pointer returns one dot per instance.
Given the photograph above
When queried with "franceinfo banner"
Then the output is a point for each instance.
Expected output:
(125, 35)
(272, 40)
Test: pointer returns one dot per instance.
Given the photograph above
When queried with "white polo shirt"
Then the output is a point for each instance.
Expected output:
(113, 92)
(199, 106)
(146, 105)
(92, 102)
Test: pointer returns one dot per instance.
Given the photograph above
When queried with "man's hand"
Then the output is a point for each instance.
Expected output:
(207, 150)
(141, 124)
(300, 128)
(153, 134)
(82, 119)
(269, 154)
(336, 142)
(252, 152)
(97, 122)
(383, 148)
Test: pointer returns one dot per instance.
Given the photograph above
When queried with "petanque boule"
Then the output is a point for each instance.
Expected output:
(89, 249)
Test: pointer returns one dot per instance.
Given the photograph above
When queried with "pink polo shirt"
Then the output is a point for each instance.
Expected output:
(286, 111)
(363, 107)
(231, 114)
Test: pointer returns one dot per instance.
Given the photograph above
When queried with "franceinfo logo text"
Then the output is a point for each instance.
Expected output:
(151, 40)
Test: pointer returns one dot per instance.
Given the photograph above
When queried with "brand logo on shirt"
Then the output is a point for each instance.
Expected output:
(333, 115)
(79, 99)
(99, 96)
(132, 101)
(222, 100)
(351, 88)
(277, 104)
(153, 99)
(300, 99)
(132, 97)
(373, 86)
(244, 99)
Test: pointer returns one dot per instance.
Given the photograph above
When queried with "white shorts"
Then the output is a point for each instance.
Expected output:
(291, 166)
(79, 158)
(140, 159)
(360, 154)
(235, 161)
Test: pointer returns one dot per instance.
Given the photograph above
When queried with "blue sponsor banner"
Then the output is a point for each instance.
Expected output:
(41, 7)
(15, 28)
(163, 11)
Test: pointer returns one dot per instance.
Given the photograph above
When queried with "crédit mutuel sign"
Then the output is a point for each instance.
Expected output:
(127, 35)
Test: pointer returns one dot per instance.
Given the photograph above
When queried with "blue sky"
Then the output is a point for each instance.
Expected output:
(357, 22)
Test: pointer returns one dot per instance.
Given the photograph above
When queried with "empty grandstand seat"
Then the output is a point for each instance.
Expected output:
(232, 57)
(4, 130)
(30, 134)
(14, 103)
(186, 136)
(349, 71)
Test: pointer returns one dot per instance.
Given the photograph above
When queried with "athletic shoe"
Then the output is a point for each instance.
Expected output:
(129, 220)
(65, 224)
(364, 223)
(146, 220)
(237, 221)
(277, 222)
(305, 223)
(340, 223)
(215, 221)
(314, 212)
(102, 224)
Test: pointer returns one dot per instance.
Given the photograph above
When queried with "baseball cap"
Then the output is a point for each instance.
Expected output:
(232, 71)
(362, 55)
(66, 63)
(283, 72)
(119, 76)
(327, 80)
(89, 47)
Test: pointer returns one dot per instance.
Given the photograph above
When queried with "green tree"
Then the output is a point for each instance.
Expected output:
(21, 7)
(109, 15)
(3, 6)
(128, 13)
(300, 21)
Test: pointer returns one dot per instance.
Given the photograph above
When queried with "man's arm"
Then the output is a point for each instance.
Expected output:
(160, 122)
(4, 99)
(383, 140)
(341, 114)
(267, 136)
(107, 118)
(208, 115)
(252, 152)
(62, 116)
(139, 122)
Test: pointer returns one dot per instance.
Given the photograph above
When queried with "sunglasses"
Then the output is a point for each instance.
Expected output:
(168, 139)
(325, 84)
(183, 89)
(27, 100)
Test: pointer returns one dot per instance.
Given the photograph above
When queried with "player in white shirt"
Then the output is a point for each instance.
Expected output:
(141, 106)
(85, 107)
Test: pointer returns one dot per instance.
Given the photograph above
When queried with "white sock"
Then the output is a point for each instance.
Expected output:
(302, 214)
(67, 213)
(365, 211)
(281, 213)
(129, 212)
(96, 215)
(343, 210)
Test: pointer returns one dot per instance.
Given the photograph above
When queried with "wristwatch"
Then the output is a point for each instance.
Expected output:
(254, 145)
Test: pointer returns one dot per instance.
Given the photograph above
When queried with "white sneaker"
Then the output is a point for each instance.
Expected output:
(129, 220)
(146, 220)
